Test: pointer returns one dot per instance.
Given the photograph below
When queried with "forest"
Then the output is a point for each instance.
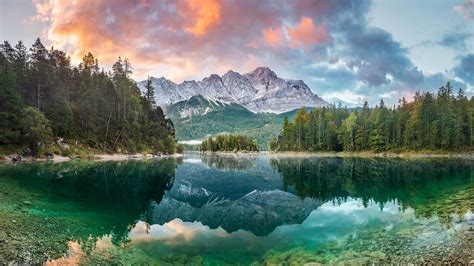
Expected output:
(441, 121)
(229, 143)
(45, 100)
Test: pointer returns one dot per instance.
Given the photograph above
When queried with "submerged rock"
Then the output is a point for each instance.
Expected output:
(3, 236)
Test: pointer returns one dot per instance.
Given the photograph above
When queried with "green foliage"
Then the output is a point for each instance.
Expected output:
(222, 118)
(180, 148)
(229, 143)
(168, 144)
(347, 132)
(149, 93)
(231, 118)
(36, 127)
(103, 111)
(436, 122)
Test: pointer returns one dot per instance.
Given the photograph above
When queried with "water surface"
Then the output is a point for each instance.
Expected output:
(238, 209)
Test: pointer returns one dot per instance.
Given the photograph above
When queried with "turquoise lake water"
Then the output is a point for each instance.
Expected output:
(252, 209)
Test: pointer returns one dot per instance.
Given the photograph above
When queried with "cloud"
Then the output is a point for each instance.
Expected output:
(329, 77)
(465, 69)
(274, 37)
(306, 33)
(466, 9)
(456, 40)
(303, 35)
(43, 8)
(178, 37)
(346, 97)
(327, 43)
(374, 54)
(207, 13)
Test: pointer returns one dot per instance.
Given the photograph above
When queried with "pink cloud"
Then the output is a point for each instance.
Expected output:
(274, 37)
(466, 9)
(176, 38)
(306, 33)
(303, 35)
(43, 8)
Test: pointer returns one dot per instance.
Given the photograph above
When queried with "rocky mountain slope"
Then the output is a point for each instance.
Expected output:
(259, 91)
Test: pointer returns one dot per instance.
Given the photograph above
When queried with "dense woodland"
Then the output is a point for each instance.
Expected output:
(44, 98)
(441, 121)
(229, 143)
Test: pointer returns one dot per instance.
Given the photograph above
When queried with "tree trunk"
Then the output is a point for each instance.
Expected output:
(107, 130)
(38, 96)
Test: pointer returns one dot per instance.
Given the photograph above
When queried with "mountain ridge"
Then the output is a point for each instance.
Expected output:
(260, 90)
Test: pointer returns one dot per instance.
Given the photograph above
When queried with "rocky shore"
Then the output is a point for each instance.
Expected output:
(15, 158)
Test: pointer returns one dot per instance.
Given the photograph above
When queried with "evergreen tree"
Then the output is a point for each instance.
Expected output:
(81, 104)
(229, 143)
(441, 121)
(149, 92)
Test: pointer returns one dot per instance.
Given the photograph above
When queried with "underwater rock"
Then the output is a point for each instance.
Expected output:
(3, 236)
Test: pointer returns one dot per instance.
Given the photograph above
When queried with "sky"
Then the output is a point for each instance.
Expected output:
(347, 51)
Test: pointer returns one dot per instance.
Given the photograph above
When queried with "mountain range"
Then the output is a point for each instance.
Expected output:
(254, 104)
(260, 91)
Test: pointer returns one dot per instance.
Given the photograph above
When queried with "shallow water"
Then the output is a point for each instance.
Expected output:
(238, 210)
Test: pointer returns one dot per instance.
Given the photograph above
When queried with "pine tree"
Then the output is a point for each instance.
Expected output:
(441, 121)
(149, 92)
(81, 104)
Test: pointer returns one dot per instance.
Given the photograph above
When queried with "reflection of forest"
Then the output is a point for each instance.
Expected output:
(114, 194)
(430, 186)
(228, 162)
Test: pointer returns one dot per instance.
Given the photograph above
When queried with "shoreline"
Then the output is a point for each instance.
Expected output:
(91, 157)
(136, 156)
(368, 154)
(282, 154)
(344, 154)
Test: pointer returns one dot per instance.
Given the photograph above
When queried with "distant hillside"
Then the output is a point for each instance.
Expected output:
(198, 118)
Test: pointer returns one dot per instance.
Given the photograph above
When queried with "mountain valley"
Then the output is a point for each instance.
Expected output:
(253, 104)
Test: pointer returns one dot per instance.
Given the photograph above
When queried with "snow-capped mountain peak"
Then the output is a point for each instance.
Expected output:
(259, 91)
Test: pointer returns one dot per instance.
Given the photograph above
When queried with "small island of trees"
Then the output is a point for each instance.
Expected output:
(229, 143)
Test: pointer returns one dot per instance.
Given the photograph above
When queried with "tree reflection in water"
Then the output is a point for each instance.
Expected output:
(421, 184)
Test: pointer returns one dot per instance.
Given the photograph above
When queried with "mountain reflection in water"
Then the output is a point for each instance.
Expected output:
(206, 208)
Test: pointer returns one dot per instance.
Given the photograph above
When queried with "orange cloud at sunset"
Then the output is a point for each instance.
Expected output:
(208, 14)
(274, 37)
(152, 34)
(83, 26)
(306, 33)
(301, 36)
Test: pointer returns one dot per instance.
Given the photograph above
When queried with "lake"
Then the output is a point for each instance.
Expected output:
(238, 209)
